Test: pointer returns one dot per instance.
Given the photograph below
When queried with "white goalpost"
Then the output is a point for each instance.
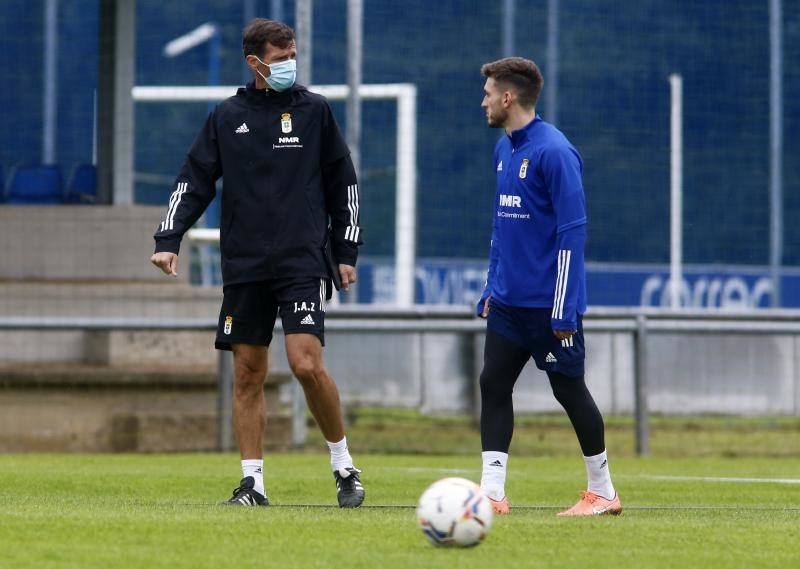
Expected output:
(676, 190)
(406, 161)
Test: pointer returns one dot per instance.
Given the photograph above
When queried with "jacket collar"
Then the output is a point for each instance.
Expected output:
(523, 134)
(268, 95)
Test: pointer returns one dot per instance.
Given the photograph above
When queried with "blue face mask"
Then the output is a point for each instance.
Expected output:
(281, 75)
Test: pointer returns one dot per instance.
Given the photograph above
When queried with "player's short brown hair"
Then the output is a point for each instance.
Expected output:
(522, 75)
(261, 31)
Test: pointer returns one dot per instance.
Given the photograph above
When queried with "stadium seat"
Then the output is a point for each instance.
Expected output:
(82, 185)
(2, 186)
(33, 185)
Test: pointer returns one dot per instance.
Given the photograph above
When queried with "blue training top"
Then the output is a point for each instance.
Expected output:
(539, 227)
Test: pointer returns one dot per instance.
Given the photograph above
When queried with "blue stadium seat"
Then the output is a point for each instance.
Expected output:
(34, 185)
(2, 186)
(82, 185)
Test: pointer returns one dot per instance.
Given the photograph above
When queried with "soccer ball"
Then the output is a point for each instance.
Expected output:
(454, 512)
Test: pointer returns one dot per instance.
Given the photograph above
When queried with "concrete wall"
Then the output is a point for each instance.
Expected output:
(118, 420)
(79, 242)
(435, 372)
(733, 373)
(689, 373)
(747, 374)
(160, 300)
(122, 409)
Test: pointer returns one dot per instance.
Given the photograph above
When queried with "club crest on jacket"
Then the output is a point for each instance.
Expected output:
(286, 123)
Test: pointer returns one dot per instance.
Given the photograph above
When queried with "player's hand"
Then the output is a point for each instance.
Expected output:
(348, 274)
(564, 334)
(485, 311)
(167, 262)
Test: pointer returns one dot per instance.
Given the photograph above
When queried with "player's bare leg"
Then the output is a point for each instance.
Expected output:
(304, 352)
(249, 420)
(249, 405)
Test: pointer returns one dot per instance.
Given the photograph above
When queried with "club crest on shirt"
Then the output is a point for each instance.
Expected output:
(286, 123)
(523, 170)
(228, 325)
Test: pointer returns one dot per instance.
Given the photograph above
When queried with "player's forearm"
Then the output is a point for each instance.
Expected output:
(571, 247)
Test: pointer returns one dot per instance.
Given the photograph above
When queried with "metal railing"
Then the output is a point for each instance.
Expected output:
(639, 322)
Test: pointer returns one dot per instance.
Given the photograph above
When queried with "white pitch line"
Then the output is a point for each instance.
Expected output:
(718, 479)
(641, 476)
(440, 470)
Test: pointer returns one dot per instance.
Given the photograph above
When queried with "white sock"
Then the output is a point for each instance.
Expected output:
(340, 456)
(493, 479)
(599, 476)
(255, 468)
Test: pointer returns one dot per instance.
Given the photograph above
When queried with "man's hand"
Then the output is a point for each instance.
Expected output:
(564, 334)
(485, 311)
(167, 262)
(348, 274)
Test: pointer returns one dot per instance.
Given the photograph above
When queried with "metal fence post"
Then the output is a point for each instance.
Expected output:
(224, 400)
(642, 414)
(299, 429)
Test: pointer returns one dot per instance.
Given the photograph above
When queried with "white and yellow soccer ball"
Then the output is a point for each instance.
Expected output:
(454, 512)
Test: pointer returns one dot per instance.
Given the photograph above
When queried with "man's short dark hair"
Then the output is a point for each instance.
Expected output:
(261, 31)
(522, 75)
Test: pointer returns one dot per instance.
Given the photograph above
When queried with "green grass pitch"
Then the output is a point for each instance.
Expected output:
(119, 511)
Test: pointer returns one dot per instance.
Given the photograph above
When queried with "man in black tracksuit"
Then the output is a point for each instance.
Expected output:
(287, 174)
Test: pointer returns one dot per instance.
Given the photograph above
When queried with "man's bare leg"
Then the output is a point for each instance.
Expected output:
(250, 410)
(249, 405)
(304, 352)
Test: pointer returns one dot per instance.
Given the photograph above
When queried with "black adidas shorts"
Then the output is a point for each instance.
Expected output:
(249, 310)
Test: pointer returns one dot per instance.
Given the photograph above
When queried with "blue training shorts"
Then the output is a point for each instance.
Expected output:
(530, 328)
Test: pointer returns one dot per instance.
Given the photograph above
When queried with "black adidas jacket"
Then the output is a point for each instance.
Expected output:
(286, 174)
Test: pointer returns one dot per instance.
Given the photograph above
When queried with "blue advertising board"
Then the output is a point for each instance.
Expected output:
(448, 281)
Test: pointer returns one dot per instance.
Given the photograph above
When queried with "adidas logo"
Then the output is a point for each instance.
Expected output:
(500, 166)
(497, 463)
(307, 320)
(242, 129)
(551, 359)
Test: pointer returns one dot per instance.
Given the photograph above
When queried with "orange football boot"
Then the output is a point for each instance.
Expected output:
(500, 508)
(591, 504)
